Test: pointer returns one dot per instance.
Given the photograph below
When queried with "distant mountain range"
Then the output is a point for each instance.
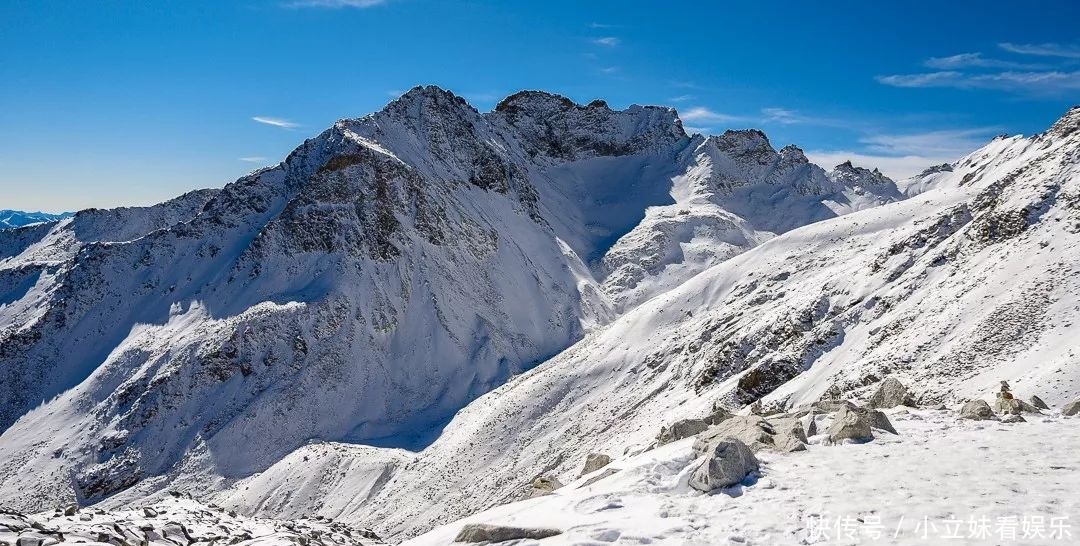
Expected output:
(19, 218)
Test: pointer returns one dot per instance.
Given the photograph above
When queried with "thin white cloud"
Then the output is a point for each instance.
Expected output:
(607, 41)
(782, 115)
(276, 122)
(1068, 51)
(600, 25)
(681, 98)
(705, 115)
(253, 159)
(335, 4)
(903, 155)
(976, 60)
(1039, 83)
(609, 69)
(948, 142)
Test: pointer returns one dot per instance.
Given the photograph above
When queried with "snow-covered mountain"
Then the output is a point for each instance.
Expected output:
(971, 282)
(18, 218)
(558, 278)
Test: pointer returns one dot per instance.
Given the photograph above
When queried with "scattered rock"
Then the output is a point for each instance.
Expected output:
(1038, 403)
(889, 394)
(729, 461)
(879, 421)
(1015, 418)
(809, 424)
(71, 509)
(1072, 408)
(752, 430)
(149, 512)
(978, 410)
(544, 485)
(594, 462)
(679, 430)
(850, 424)
(482, 532)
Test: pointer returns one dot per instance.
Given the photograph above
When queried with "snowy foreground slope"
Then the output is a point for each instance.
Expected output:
(389, 271)
(939, 481)
(964, 285)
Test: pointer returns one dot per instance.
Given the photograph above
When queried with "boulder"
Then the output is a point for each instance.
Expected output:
(594, 462)
(1015, 418)
(678, 430)
(544, 485)
(1038, 403)
(727, 463)
(1006, 405)
(752, 430)
(789, 434)
(889, 394)
(482, 532)
(977, 410)
(149, 512)
(879, 420)
(1072, 408)
(850, 424)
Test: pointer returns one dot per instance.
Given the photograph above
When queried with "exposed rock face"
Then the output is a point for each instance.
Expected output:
(889, 394)
(728, 462)
(594, 462)
(977, 410)
(480, 532)
(849, 424)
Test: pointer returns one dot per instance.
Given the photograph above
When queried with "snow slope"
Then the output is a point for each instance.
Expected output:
(990, 483)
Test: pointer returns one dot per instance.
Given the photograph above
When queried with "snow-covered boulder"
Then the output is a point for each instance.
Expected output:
(544, 485)
(889, 394)
(781, 434)
(729, 461)
(683, 428)
(977, 410)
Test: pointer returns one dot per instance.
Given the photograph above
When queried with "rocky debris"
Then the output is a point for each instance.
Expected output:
(878, 420)
(977, 410)
(889, 394)
(1072, 408)
(544, 485)
(189, 522)
(1038, 403)
(594, 462)
(482, 532)
(849, 424)
(729, 461)
(1015, 418)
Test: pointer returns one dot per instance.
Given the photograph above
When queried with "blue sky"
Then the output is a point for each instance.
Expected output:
(117, 103)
